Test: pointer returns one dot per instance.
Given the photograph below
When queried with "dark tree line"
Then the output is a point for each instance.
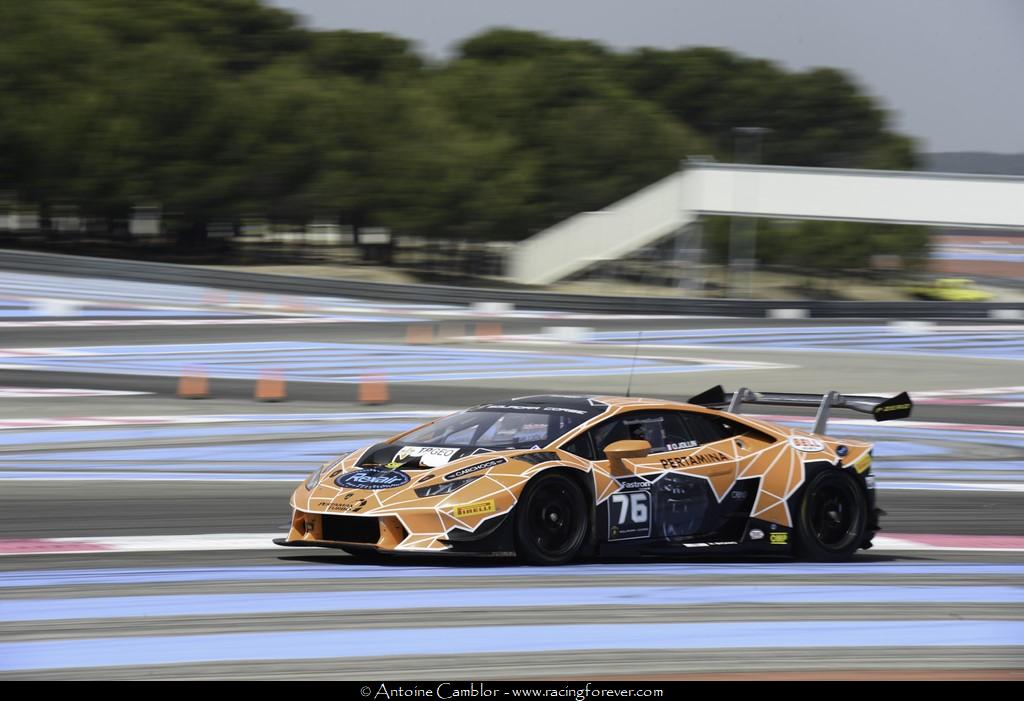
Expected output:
(221, 109)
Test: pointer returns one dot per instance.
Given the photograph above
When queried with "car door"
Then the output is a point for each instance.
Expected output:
(668, 494)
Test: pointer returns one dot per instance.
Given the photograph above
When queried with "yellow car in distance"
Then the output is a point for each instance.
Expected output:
(951, 289)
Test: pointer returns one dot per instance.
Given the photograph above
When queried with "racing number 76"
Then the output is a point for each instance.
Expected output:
(632, 505)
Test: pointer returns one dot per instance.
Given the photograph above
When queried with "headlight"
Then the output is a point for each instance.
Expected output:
(314, 479)
(445, 487)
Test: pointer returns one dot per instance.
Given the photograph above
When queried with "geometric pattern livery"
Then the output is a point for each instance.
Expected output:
(412, 518)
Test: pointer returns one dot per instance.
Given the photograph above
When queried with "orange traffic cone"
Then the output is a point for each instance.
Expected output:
(270, 387)
(419, 334)
(373, 389)
(193, 384)
(488, 330)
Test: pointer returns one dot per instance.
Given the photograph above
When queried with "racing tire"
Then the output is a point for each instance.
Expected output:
(832, 519)
(551, 520)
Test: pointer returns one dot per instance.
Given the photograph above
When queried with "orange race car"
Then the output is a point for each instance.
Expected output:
(551, 478)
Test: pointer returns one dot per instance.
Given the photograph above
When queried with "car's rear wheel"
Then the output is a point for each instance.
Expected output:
(551, 520)
(832, 518)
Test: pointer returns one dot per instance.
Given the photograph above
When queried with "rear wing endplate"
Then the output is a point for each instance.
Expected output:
(882, 408)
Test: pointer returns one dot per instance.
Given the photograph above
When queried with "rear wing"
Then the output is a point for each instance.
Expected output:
(882, 408)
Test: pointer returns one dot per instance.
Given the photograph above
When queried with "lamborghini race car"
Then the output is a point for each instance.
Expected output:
(551, 478)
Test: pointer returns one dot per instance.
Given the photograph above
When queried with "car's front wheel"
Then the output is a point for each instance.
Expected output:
(551, 520)
(832, 517)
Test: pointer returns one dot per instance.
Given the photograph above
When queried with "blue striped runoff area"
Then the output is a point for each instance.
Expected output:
(391, 643)
(493, 599)
(342, 362)
(285, 573)
(1002, 343)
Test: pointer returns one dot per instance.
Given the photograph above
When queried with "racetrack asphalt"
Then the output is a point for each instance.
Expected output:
(888, 612)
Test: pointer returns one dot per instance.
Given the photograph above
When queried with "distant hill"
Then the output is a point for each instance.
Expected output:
(975, 162)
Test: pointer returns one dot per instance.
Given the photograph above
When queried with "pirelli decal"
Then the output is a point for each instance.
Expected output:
(708, 458)
(480, 507)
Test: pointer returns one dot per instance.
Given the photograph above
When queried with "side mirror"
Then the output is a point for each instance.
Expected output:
(625, 449)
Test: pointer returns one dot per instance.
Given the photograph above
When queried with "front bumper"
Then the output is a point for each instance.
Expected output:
(388, 534)
(340, 530)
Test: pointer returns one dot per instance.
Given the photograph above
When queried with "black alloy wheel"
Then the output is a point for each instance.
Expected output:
(833, 517)
(551, 520)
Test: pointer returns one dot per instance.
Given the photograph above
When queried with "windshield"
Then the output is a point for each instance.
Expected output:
(498, 429)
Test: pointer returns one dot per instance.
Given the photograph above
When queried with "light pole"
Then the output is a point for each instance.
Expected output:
(743, 230)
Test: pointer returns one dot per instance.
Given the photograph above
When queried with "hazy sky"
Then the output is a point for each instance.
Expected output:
(950, 71)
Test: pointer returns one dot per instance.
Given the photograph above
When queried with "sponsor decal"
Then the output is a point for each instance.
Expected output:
(682, 445)
(778, 538)
(645, 420)
(633, 483)
(892, 407)
(695, 460)
(739, 494)
(842, 450)
(805, 444)
(708, 545)
(629, 515)
(480, 507)
(462, 471)
(521, 407)
(863, 464)
(344, 507)
(431, 457)
(372, 478)
(756, 534)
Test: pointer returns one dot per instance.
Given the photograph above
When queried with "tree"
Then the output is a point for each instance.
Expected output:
(219, 109)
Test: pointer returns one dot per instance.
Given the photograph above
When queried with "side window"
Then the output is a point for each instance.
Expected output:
(708, 428)
(607, 433)
(663, 430)
(581, 446)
